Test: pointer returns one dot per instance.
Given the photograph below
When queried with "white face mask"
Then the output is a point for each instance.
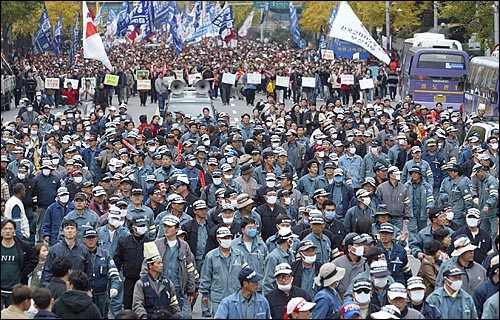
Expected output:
(228, 221)
(39, 98)
(100, 114)
(397, 176)
(230, 159)
(217, 181)
(270, 184)
(358, 251)
(77, 116)
(206, 143)
(30, 109)
(21, 176)
(45, 172)
(55, 162)
(366, 201)
(112, 168)
(116, 223)
(350, 138)
(153, 149)
(275, 145)
(321, 154)
(63, 123)
(288, 201)
(402, 142)
(380, 282)
(440, 145)
(472, 222)
(417, 295)
(56, 127)
(141, 230)
(272, 199)
(449, 215)
(494, 146)
(284, 287)
(352, 150)
(373, 150)
(366, 120)
(228, 176)
(78, 179)
(456, 285)
(309, 259)
(225, 243)
(78, 144)
(319, 142)
(362, 298)
(64, 199)
(192, 163)
(25, 130)
(34, 132)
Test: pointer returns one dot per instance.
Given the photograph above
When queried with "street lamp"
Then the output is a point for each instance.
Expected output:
(387, 25)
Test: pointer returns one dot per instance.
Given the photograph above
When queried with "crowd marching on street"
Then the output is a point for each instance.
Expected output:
(309, 207)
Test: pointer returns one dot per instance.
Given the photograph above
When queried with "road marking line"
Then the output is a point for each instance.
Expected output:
(234, 111)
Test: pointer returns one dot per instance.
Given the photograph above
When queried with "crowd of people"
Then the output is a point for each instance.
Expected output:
(308, 208)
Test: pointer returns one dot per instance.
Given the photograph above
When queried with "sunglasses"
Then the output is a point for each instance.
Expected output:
(362, 291)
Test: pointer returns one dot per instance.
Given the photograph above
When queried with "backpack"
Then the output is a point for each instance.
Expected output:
(147, 133)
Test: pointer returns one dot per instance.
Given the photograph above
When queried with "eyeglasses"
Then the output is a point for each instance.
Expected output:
(283, 276)
(362, 291)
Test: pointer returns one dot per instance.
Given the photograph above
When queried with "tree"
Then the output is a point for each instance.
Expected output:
(315, 15)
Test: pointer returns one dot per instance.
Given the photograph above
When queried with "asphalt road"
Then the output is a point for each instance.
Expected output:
(235, 109)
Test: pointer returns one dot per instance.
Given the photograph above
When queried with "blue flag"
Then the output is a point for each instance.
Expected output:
(111, 15)
(225, 22)
(333, 14)
(123, 19)
(150, 21)
(173, 11)
(197, 14)
(43, 37)
(74, 42)
(161, 12)
(264, 12)
(57, 37)
(294, 25)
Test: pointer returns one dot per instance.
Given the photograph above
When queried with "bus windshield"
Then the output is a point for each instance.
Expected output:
(441, 61)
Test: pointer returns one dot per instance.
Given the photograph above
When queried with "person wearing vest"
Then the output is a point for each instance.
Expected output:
(14, 209)
(153, 293)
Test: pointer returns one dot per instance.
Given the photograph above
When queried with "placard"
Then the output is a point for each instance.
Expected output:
(142, 73)
(92, 82)
(254, 78)
(327, 54)
(355, 56)
(111, 80)
(192, 78)
(74, 83)
(228, 78)
(179, 74)
(309, 82)
(282, 81)
(144, 84)
(52, 83)
(347, 79)
(366, 84)
(170, 80)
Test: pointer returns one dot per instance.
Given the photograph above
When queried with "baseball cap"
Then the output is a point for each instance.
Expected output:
(453, 271)
(248, 274)
(338, 172)
(98, 191)
(349, 309)
(171, 220)
(352, 238)
(387, 312)
(298, 304)
(136, 191)
(473, 212)
(316, 220)
(386, 227)
(139, 220)
(362, 193)
(199, 204)
(415, 282)
(362, 283)
(89, 232)
(282, 268)
(62, 190)
(397, 290)
(379, 166)
(223, 232)
(80, 196)
(379, 269)
(415, 149)
(306, 244)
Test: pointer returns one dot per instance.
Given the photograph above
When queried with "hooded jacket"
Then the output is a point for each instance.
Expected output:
(75, 304)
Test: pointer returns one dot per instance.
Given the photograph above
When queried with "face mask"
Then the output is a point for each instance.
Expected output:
(350, 139)
(192, 163)
(456, 285)
(56, 127)
(380, 282)
(288, 201)
(77, 116)
(440, 145)
(285, 287)
(217, 181)
(397, 176)
(64, 199)
(362, 298)
(27, 143)
(124, 116)
(272, 199)
(227, 220)
(228, 176)
(78, 179)
(352, 150)
(269, 124)
(309, 259)
(153, 149)
(275, 145)
(472, 222)
(55, 162)
(25, 130)
(116, 223)
(366, 201)
(172, 243)
(366, 120)
(225, 243)
(30, 109)
(449, 215)
(39, 98)
(454, 119)
(402, 142)
(330, 215)
(494, 146)
(124, 212)
(319, 142)
(230, 159)
(234, 203)
(63, 123)
(141, 230)
(34, 132)
(358, 251)
(45, 172)
(417, 296)
(88, 128)
(21, 176)
(78, 143)
(373, 150)
(251, 232)
(112, 168)
(305, 221)
(338, 179)
(321, 154)
(270, 184)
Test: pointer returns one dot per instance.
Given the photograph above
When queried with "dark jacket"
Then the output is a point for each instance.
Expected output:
(269, 219)
(482, 241)
(278, 300)
(75, 304)
(482, 293)
(191, 228)
(57, 287)
(43, 314)
(429, 311)
(129, 254)
(28, 258)
(212, 239)
(297, 269)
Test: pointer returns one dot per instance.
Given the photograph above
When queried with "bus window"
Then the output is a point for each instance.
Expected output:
(441, 61)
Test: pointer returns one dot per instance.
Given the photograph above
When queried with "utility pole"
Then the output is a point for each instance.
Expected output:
(496, 31)
(435, 16)
(387, 25)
